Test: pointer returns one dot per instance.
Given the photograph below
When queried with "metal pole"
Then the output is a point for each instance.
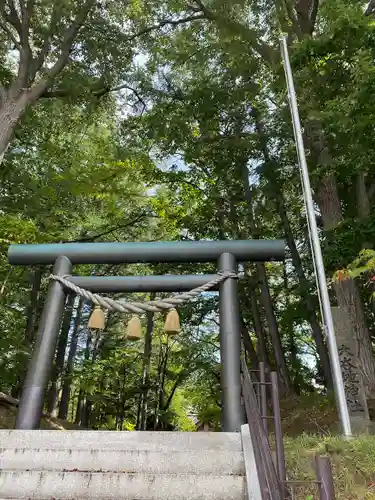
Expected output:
(316, 249)
(280, 455)
(230, 348)
(325, 478)
(263, 396)
(31, 404)
(258, 396)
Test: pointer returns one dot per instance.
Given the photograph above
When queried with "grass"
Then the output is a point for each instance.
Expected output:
(353, 464)
(310, 425)
(309, 414)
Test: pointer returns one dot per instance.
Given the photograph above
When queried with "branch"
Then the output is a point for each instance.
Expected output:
(26, 55)
(39, 60)
(108, 231)
(180, 378)
(371, 191)
(161, 24)
(166, 22)
(8, 31)
(370, 8)
(279, 4)
(65, 49)
(22, 27)
(265, 51)
(304, 16)
(314, 12)
(293, 19)
(69, 37)
(194, 8)
(171, 179)
(13, 18)
(59, 93)
(102, 92)
(66, 46)
(50, 94)
(8, 399)
(26, 12)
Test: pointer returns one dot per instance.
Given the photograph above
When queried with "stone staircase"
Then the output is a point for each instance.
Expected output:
(102, 465)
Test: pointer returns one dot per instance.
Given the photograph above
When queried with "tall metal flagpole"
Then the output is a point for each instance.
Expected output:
(316, 249)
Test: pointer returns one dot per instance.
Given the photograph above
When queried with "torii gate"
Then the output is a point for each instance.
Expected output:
(64, 256)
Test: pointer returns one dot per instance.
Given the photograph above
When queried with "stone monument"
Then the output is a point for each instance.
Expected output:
(348, 353)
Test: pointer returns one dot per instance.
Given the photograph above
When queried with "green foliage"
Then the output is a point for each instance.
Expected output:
(363, 264)
(196, 143)
(362, 267)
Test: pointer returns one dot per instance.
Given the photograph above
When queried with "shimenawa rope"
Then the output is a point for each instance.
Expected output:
(142, 307)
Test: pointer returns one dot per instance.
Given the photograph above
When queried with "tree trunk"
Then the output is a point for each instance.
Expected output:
(346, 291)
(84, 417)
(327, 197)
(181, 377)
(363, 203)
(31, 319)
(93, 346)
(265, 295)
(60, 355)
(329, 202)
(72, 408)
(142, 420)
(348, 298)
(305, 289)
(295, 363)
(80, 405)
(31, 311)
(10, 113)
(64, 403)
(249, 347)
(163, 360)
(262, 351)
(266, 300)
(122, 400)
(86, 413)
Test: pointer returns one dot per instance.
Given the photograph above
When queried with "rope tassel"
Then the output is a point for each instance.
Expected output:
(97, 319)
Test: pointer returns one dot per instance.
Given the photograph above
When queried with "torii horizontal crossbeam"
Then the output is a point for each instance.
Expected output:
(134, 284)
(166, 251)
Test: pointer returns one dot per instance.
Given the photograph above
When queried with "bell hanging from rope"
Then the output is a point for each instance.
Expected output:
(172, 323)
(134, 329)
(97, 319)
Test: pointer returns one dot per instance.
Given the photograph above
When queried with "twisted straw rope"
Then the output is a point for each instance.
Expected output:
(141, 307)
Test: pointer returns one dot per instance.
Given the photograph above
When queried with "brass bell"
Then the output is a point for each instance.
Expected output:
(134, 329)
(172, 323)
(97, 319)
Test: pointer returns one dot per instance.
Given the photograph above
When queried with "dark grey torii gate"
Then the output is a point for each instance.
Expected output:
(226, 253)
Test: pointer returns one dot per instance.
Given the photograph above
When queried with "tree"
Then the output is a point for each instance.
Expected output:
(203, 150)
(315, 30)
(65, 49)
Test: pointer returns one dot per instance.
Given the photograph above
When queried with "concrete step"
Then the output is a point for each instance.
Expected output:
(131, 461)
(104, 440)
(39, 485)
